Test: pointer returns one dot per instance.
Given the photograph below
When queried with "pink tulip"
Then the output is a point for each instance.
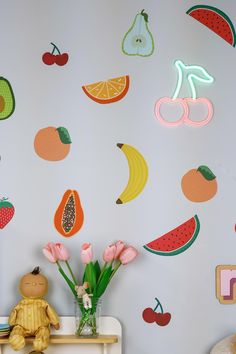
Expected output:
(86, 253)
(128, 254)
(49, 252)
(120, 245)
(109, 253)
(62, 252)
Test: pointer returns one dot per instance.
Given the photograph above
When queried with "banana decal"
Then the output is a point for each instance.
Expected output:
(138, 174)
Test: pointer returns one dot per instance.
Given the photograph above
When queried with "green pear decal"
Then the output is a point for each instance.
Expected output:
(138, 40)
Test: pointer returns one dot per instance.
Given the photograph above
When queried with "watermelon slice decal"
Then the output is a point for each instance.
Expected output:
(177, 240)
(216, 20)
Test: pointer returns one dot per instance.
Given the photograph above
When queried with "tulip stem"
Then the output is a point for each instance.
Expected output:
(103, 268)
(69, 282)
(71, 273)
(115, 270)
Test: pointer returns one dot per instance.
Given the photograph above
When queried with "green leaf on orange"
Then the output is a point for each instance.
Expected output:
(64, 135)
(206, 172)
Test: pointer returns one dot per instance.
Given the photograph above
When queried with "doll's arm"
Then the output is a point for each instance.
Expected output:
(12, 317)
(53, 317)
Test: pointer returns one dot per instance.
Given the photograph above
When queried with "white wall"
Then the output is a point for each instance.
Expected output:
(91, 32)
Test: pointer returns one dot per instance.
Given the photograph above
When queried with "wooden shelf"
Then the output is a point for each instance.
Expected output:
(72, 339)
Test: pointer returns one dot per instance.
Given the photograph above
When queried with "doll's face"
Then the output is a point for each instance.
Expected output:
(33, 285)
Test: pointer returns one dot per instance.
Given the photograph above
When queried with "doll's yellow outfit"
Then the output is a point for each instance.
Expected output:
(31, 317)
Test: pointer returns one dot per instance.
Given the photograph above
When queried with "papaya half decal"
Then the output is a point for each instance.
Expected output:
(52, 144)
(138, 40)
(7, 99)
(216, 20)
(177, 240)
(199, 185)
(138, 174)
(7, 211)
(69, 216)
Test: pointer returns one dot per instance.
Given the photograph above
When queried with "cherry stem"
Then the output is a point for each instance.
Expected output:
(158, 304)
(55, 47)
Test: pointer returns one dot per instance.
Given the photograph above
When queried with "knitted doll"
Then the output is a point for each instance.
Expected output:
(32, 316)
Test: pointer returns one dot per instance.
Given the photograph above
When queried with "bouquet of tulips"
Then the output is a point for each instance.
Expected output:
(95, 278)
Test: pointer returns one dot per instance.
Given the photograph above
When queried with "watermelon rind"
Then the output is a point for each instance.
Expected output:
(182, 248)
(219, 12)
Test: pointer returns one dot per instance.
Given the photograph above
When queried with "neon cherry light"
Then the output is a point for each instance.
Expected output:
(204, 121)
(170, 100)
(193, 74)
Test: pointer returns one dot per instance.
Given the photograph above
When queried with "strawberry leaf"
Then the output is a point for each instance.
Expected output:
(206, 172)
(4, 204)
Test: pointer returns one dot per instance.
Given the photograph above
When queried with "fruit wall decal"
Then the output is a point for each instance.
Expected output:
(7, 99)
(226, 284)
(190, 75)
(52, 144)
(52, 58)
(199, 185)
(7, 211)
(108, 91)
(152, 316)
(216, 20)
(69, 216)
(177, 240)
(138, 40)
(138, 174)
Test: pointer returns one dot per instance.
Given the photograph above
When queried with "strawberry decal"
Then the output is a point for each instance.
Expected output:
(7, 211)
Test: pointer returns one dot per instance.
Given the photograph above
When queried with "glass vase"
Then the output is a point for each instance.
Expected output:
(87, 318)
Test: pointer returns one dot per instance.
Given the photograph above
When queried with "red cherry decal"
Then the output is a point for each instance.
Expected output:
(48, 58)
(162, 319)
(61, 59)
(51, 58)
(149, 315)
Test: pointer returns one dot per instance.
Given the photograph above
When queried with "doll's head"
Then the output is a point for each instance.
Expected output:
(33, 285)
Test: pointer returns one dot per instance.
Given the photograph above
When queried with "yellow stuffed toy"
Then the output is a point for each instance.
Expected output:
(32, 316)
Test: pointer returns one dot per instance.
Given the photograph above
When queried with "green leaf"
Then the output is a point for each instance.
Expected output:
(69, 282)
(206, 172)
(104, 281)
(64, 135)
(90, 276)
(97, 269)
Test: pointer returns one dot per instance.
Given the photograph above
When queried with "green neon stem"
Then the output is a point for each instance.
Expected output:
(55, 47)
(205, 77)
(180, 79)
(158, 304)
